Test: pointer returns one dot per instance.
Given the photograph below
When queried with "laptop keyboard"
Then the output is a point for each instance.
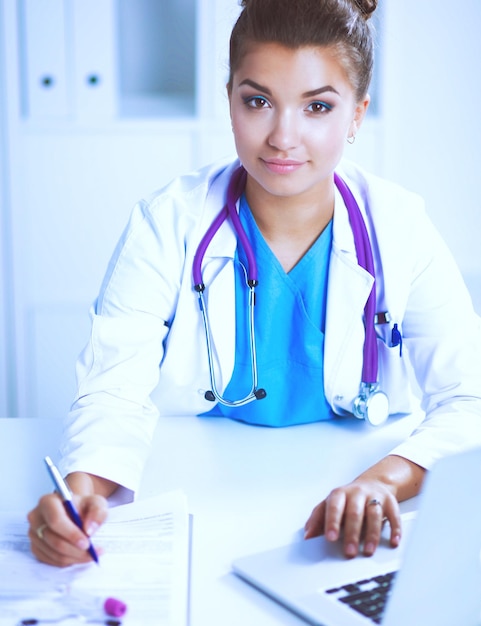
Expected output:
(367, 597)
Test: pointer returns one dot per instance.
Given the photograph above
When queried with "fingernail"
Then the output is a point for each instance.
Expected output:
(331, 535)
(92, 528)
(369, 548)
(396, 540)
(83, 544)
(351, 549)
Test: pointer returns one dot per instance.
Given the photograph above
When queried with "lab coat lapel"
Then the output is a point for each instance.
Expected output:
(349, 286)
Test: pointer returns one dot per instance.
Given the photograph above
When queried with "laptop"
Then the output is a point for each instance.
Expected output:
(434, 577)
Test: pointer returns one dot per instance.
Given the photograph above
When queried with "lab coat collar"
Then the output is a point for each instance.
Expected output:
(225, 241)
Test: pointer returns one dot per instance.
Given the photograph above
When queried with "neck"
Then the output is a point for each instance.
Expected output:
(290, 225)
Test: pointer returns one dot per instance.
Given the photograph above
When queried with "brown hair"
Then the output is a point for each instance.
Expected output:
(341, 24)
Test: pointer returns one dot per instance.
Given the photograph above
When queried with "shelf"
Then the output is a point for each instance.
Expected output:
(156, 58)
(155, 105)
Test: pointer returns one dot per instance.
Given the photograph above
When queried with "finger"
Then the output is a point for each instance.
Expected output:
(59, 523)
(61, 542)
(49, 509)
(392, 513)
(335, 505)
(51, 547)
(53, 550)
(93, 510)
(315, 524)
(36, 516)
(373, 517)
(353, 524)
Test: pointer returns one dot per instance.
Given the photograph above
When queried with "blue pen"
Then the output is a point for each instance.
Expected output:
(64, 492)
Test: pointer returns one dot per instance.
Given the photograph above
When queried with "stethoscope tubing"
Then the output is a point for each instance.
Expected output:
(213, 393)
(365, 260)
(234, 191)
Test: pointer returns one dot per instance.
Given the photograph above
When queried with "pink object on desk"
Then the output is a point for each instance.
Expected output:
(114, 607)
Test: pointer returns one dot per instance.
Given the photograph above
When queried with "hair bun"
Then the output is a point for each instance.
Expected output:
(367, 7)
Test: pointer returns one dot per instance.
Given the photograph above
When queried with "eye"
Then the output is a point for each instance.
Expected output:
(319, 107)
(256, 102)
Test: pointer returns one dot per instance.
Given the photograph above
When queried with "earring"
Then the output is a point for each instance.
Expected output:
(351, 139)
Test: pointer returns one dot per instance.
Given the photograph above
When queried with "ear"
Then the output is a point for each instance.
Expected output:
(359, 114)
(229, 97)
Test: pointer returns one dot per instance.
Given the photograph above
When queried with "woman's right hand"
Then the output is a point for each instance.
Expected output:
(54, 538)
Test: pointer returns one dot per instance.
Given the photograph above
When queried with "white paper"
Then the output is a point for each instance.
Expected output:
(145, 565)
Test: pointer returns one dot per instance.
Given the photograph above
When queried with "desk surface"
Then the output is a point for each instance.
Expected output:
(248, 488)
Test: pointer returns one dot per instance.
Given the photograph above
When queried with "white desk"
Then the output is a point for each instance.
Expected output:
(248, 488)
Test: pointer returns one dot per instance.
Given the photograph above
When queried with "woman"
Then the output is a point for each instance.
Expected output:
(297, 90)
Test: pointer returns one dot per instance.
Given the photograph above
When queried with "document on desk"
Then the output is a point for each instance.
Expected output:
(145, 565)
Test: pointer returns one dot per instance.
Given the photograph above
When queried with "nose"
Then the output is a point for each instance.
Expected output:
(284, 133)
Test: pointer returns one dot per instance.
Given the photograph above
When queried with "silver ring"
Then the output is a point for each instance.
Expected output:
(374, 502)
(40, 530)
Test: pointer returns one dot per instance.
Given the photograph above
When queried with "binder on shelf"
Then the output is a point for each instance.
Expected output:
(45, 65)
(94, 58)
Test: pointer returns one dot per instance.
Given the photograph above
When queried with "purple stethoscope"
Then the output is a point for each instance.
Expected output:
(371, 404)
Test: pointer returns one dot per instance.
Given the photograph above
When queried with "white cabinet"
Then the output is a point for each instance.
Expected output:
(103, 102)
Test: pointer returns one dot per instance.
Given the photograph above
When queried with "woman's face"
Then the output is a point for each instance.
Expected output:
(292, 112)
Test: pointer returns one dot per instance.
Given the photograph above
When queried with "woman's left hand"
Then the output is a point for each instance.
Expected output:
(357, 511)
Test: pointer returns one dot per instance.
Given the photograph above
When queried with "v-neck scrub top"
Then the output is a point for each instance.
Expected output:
(289, 327)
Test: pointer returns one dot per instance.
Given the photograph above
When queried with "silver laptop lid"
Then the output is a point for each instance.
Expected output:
(439, 581)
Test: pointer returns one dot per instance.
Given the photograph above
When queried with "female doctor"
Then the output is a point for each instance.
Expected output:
(349, 278)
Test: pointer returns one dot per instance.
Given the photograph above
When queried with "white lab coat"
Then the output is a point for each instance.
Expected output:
(147, 316)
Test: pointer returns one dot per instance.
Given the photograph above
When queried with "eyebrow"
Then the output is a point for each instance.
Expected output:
(307, 94)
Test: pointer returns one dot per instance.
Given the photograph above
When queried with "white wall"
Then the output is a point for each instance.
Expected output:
(4, 298)
(7, 381)
(431, 117)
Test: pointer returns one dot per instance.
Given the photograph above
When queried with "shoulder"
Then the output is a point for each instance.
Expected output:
(396, 219)
(191, 193)
(162, 228)
(380, 195)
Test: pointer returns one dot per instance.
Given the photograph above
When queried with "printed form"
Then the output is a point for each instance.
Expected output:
(145, 565)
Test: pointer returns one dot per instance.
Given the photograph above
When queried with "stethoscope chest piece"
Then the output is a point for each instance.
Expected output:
(371, 405)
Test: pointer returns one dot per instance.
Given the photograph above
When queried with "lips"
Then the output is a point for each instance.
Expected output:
(282, 166)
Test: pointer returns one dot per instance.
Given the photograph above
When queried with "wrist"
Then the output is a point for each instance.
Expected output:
(401, 477)
(84, 484)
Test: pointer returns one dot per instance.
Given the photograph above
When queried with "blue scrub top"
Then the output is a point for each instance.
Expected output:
(289, 325)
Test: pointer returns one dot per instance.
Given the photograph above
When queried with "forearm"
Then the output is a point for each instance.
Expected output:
(402, 477)
(85, 484)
